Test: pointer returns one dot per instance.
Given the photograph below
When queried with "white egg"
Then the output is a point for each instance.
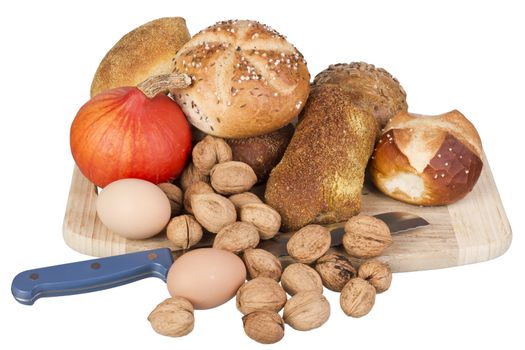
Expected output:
(133, 208)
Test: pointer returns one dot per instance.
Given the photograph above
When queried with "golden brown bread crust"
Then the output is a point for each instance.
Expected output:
(262, 152)
(320, 177)
(370, 87)
(145, 51)
(247, 80)
(427, 160)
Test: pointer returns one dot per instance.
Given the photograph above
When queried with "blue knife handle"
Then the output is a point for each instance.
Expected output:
(90, 275)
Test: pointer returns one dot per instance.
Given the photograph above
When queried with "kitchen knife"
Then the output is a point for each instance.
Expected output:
(103, 273)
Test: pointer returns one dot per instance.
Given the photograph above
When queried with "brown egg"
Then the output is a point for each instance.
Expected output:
(207, 277)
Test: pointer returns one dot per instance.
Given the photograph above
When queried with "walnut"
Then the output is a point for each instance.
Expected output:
(265, 327)
(309, 243)
(357, 297)
(191, 175)
(377, 273)
(232, 177)
(241, 199)
(213, 211)
(335, 271)
(210, 151)
(261, 263)
(198, 187)
(265, 218)
(366, 237)
(306, 310)
(237, 237)
(301, 278)
(174, 194)
(184, 231)
(173, 317)
(261, 293)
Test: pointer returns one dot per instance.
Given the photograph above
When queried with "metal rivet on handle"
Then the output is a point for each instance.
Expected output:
(95, 266)
(34, 276)
(152, 256)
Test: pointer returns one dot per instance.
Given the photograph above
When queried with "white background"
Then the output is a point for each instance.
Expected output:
(446, 55)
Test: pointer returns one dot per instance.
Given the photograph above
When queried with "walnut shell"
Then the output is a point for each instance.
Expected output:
(210, 151)
(198, 187)
(191, 175)
(335, 271)
(301, 278)
(241, 199)
(173, 317)
(213, 211)
(309, 243)
(174, 194)
(366, 237)
(377, 273)
(265, 218)
(232, 177)
(357, 297)
(261, 263)
(265, 327)
(184, 231)
(237, 237)
(261, 293)
(306, 310)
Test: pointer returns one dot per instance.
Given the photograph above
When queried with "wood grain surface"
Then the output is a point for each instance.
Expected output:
(472, 230)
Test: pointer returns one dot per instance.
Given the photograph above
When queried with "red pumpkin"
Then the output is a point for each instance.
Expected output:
(122, 133)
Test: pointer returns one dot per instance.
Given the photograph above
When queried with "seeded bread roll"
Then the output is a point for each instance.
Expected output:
(320, 178)
(427, 160)
(370, 88)
(247, 80)
(145, 51)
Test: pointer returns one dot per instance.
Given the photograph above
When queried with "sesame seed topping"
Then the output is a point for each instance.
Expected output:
(282, 54)
(460, 157)
(228, 103)
(450, 149)
(275, 94)
(466, 171)
(298, 104)
(435, 176)
(443, 175)
(446, 164)
(439, 155)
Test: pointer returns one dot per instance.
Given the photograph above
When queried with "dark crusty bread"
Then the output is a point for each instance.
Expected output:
(263, 152)
(320, 177)
(427, 160)
(145, 51)
(370, 87)
(247, 80)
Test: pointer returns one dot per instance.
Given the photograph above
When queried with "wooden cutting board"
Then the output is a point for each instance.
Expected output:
(472, 230)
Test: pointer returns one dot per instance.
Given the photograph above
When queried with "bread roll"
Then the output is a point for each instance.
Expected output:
(247, 80)
(145, 51)
(427, 160)
(370, 88)
(263, 152)
(320, 177)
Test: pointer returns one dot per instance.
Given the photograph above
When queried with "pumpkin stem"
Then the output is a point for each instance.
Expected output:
(164, 83)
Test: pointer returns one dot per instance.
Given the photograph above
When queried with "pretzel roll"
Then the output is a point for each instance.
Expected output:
(427, 160)
(247, 80)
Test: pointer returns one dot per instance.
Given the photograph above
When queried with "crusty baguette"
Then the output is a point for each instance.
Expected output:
(145, 51)
(320, 177)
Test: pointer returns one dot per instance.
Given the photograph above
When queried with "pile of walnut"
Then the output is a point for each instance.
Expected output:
(206, 182)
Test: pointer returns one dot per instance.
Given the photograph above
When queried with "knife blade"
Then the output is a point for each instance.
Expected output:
(397, 222)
